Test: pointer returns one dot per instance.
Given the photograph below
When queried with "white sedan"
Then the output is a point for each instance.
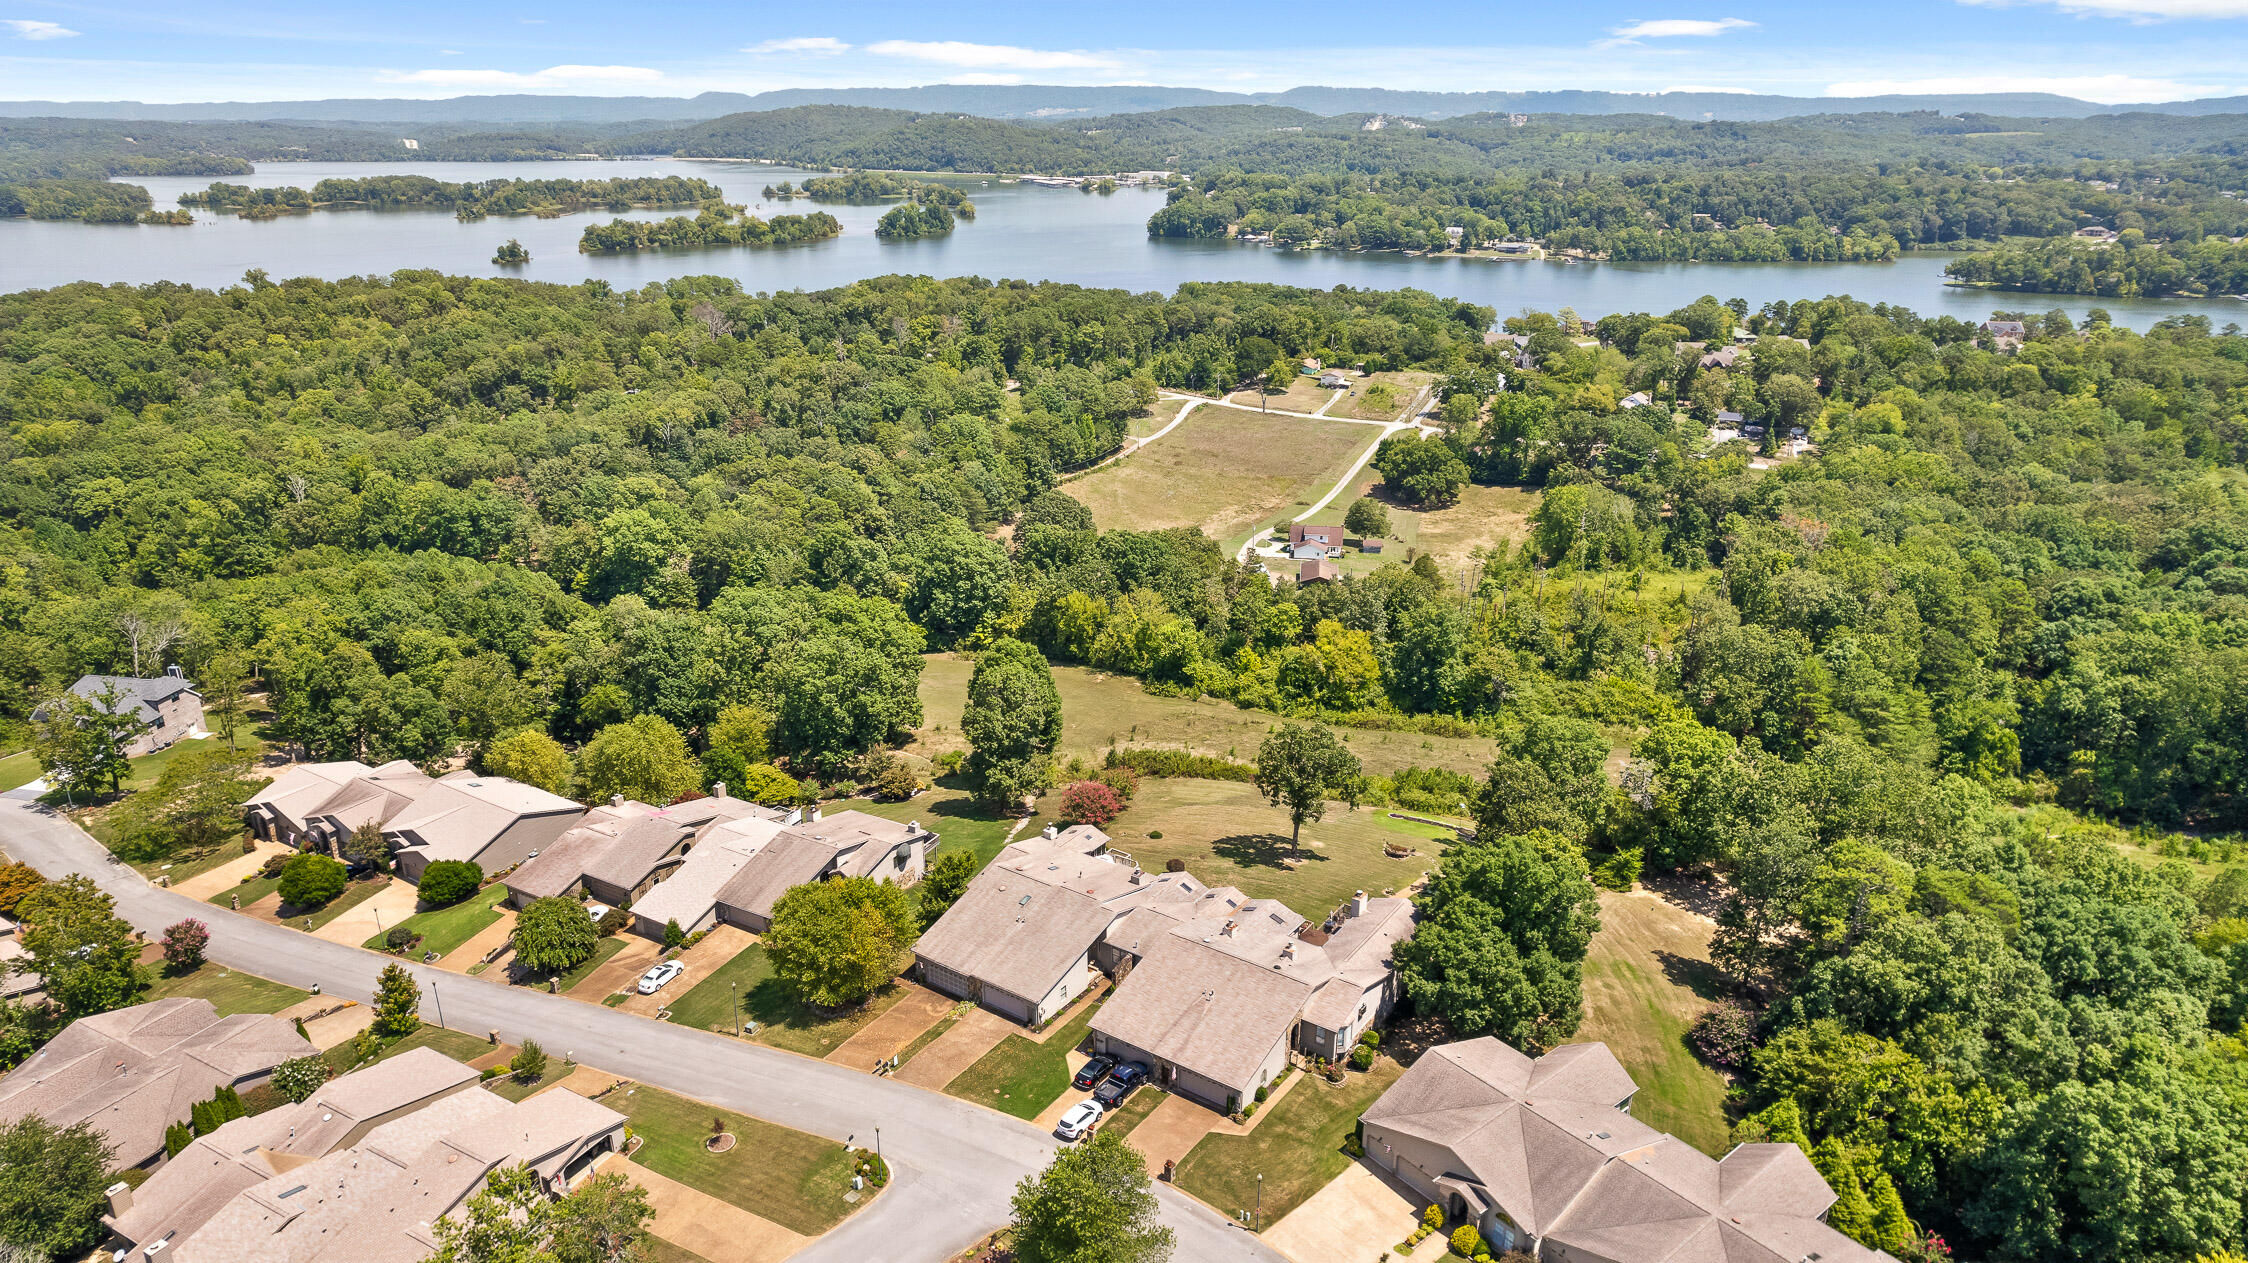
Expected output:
(1078, 1121)
(654, 980)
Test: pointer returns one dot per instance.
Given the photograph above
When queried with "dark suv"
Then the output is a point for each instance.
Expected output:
(1093, 1072)
(1120, 1083)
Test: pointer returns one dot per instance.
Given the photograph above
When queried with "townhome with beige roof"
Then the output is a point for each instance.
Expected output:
(318, 806)
(130, 1073)
(487, 820)
(379, 1199)
(186, 1192)
(1543, 1156)
(619, 851)
(846, 844)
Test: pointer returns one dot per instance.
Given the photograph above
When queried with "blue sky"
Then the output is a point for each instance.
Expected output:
(2105, 50)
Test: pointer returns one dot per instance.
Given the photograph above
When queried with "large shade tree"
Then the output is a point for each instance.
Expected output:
(1012, 721)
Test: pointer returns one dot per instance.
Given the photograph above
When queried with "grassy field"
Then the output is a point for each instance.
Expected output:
(181, 867)
(960, 823)
(1228, 835)
(230, 991)
(1646, 979)
(1402, 387)
(1484, 516)
(444, 929)
(1022, 1076)
(454, 1044)
(250, 891)
(795, 1180)
(1297, 1150)
(1226, 471)
(781, 1021)
(1304, 394)
(1101, 710)
(662, 1251)
(1158, 416)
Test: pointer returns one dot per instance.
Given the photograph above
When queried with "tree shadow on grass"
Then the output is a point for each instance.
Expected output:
(1261, 850)
(1705, 980)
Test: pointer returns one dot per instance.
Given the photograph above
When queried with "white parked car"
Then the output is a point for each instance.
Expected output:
(654, 980)
(1078, 1122)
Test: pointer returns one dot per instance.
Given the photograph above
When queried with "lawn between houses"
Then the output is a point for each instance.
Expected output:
(1298, 1148)
(1646, 978)
(443, 929)
(230, 991)
(792, 1178)
(1023, 1076)
(782, 1021)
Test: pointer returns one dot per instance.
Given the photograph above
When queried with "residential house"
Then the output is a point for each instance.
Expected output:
(130, 1073)
(1214, 1005)
(184, 1194)
(1021, 939)
(1636, 400)
(490, 821)
(1308, 542)
(617, 852)
(846, 844)
(1321, 571)
(376, 1200)
(2096, 233)
(2007, 335)
(167, 707)
(689, 896)
(1334, 380)
(17, 981)
(318, 806)
(1544, 1157)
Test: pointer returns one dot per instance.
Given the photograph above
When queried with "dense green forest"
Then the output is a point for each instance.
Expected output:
(1882, 690)
(2130, 267)
(718, 225)
(90, 201)
(914, 220)
(470, 200)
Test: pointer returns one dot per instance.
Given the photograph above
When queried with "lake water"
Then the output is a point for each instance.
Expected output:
(1022, 231)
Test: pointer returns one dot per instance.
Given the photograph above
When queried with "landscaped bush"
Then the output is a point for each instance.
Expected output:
(1361, 1058)
(892, 778)
(613, 921)
(1433, 1217)
(1371, 1037)
(1466, 1241)
(673, 936)
(871, 1168)
(447, 882)
(1262, 1094)
(309, 880)
(1090, 802)
(950, 762)
(399, 938)
(1180, 763)
(1725, 1035)
(1174, 864)
(184, 942)
(1124, 780)
(299, 1077)
(273, 866)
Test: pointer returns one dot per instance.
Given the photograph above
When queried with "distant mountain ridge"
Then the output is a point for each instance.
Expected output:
(1034, 101)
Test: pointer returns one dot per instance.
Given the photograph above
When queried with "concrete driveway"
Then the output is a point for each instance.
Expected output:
(1174, 1127)
(957, 1049)
(954, 1163)
(230, 874)
(1358, 1218)
(719, 1231)
(372, 915)
(902, 1023)
(617, 973)
(722, 944)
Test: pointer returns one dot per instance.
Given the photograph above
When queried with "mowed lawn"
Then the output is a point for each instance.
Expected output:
(1227, 835)
(781, 1021)
(960, 822)
(1100, 711)
(1297, 1150)
(1647, 978)
(1225, 470)
(1023, 1076)
(230, 991)
(443, 929)
(794, 1179)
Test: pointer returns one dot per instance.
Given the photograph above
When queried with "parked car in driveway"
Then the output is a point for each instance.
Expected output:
(1119, 1084)
(654, 980)
(1090, 1074)
(1078, 1122)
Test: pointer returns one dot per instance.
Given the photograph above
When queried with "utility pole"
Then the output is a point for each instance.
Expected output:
(737, 990)
(1260, 1201)
(439, 1000)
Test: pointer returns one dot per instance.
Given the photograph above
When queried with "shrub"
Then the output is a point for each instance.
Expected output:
(895, 779)
(489, 1073)
(184, 942)
(273, 866)
(1090, 802)
(1433, 1217)
(1263, 1093)
(1180, 763)
(1173, 865)
(950, 762)
(673, 936)
(613, 921)
(1619, 871)
(1371, 1037)
(1724, 1035)
(870, 1167)
(1156, 835)
(1466, 1241)
(1361, 1058)
(299, 1077)
(177, 1138)
(764, 783)
(447, 882)
(1124, 780)
(309, 880)
(529, 1062)
(399, 938)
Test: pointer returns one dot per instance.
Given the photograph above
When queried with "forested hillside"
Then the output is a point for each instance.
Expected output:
(1880, 692)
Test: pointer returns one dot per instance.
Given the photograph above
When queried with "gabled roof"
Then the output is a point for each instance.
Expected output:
(617, 850)
(1544, 1142)
(136, 696)
(688, 895)
(787, 862)
(462, 813)
(1207, 1010)
(1029, 917)
(132, 1072)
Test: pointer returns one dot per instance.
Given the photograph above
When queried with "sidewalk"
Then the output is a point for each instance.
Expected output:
(694, 1220)
(372, 915)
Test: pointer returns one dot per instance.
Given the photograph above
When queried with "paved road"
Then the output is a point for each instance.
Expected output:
(954, 1164)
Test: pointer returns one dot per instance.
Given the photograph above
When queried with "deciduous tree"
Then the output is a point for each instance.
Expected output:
(1092, 1204)
(1012, 721)
(833, 943)
(1300, 768)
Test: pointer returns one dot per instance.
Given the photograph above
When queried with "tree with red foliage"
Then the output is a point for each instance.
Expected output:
(184, 943)
(1090, 802)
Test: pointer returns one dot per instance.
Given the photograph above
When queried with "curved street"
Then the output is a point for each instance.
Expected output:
(954, 1164)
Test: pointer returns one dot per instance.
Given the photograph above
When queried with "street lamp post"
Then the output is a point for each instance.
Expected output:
(736, 987)
(440, 1000)
(1260, 1201)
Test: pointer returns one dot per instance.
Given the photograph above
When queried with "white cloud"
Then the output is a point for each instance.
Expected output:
(1670, 28)
(2105, 89)
(816, 45)
(551, 77)
(1002, 56)
(2139, 10)
(32, 28)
